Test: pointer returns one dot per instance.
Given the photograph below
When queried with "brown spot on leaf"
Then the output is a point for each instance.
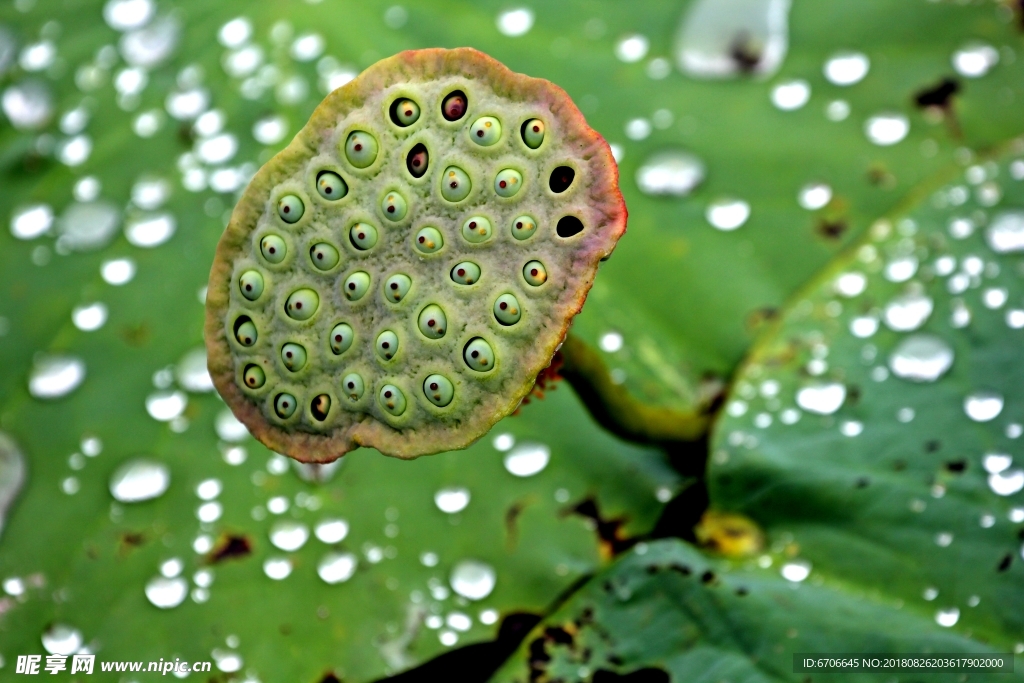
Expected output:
(230, 546)
(610, 535)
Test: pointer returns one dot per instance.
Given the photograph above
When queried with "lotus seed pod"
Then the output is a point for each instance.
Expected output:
(429, 240)
(251, 284)
(508, 182)
(439, 390)
(293, 356)
(439, 176)
(533, 133)
(290, 208)
(273, 248)
(433, 322)
(363, 236)
(330, 185)
(507, 309)
(485, 131)
(361, 149)
(324, 256)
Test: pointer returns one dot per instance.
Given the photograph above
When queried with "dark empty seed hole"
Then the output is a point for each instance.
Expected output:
(569, 226)
(320, 406)
(453, 107)
(417, 160)
(561, 179)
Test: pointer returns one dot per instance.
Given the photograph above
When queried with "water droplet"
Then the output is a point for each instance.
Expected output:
(527, 459)
(791, 95)
(229, 661)
(851, 428)
(610, 342)
(148, 47)
(672, 173)
(229, 428)
(814, 196)
(277, 568)
(515, 22)
(191, 372)
(908, 312)
(55, 376)
(337, 567)
(947, 617)
(62, 639)
(186, 105)
(851, 284)
(331, 530)
(217, 149)
(725, 38)
(975, 59)
(209, 512)
(166, 593)
(270, 130)
(796, 571)
(38, 56)
(138, 480)
(982, 406)
(472, 579)
(235, 32)
(172, 567)
(125, 15)
(921, 358)
(503, 442)
(118, 271)
(307, 47)
(632, 48)
(1005, 233)
(458, 621)
(887, 129)
(1006, 483)
(150, 231)
(638, 129)
(89, 317)
(452, 499)
(289, 535)
(901, 268)
(994, 463)
(208, 489)
(166, 405)
(727, 213)
(823, 398)
(837, 110)
(31, 221)
(847, 68)
(85, 226)
(74, 151)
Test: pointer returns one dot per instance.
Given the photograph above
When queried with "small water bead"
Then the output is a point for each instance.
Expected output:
(331, 530)
(823, 398)
(273, 248)
(523, 227)
(983, 406)
(727, 213)
(330, 185)
(921, 358)
(975, 59)
(438, 390)
(356, 285)
(507, 309)
(479, 355)
(418, 160)
(320, 407)
(477, 229)
(324, 256)
(392, 399)
(814, 196)
(452, 499)
(455, 184)
(387, 344)
(886, 129)
(535, 273)
(433, 322)
(485, 131)
(284, 405)
(1006, 232)
(290, 208)
(396, 287)
(394, 206)
(361, 149)
(245, 331)
(341, 338)
(353, 386)
(302, 304)
(166, 593)
(672, 173)
(533, 133)
(429, 240)
(293, 356)
(847, 68)
(405, 112)
(62, 639)
(561, 178)
(791, 95)
(472, 579)
(337, 567)
(508, 182)
(251, 284)
(465, 273)
(288, 535)
(253, 376)
(454, 105)
(908, 312)
(276, 568)
(138, 480)
(568, 226)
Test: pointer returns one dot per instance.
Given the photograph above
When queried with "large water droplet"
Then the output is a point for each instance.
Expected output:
(921, 358)
(89, 317)
(32, 221)
(270, 130)
(847, 68)
(55, 376)
(791, 95)
(671, 173)
(289, 535)
(191, 371)
(994, 463)
(814, 196)
(150, 46)
(62, 639)
(527, 459)
(887, 129)
(947, 617)
(28, 105)
(217, 149)
(982, 406)
(229, 428)
(85, 226)
(975, 59)
(12, 475)
(515, 22)
(796, 571)
(235, 32)
(727, 213)
(331, 530)
(725, 38)
(150, 230)
(452, 499)
(823, 398)
(125, 15)
(277, 568)
(165, 592)
(118, 271)
(472, 579)
(166, 405)
(1006, 232)
(1006, 482)
(337, 567)
(138, 480)
(908, 312)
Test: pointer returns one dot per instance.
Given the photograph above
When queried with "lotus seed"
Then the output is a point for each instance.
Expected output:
(405, 112)
(353, 385)
(439, 390)
(394, 206)
(363, 236)
(341, 338)
(417, 161)
(254, 377)
(478, 355)
(535, 273)
(455, 185)
(507, 310)
(392, 399)
(361, 149)
(569, 226)
(429, 240)
(251, 284)
(293, 356)
(476, 229)
(245, 331)
(396, 287)
(387, 344)
(356, 285)
(324, 256)
(290, 208)
(561, 178)
(302, 304)
(320, 407)
(273, 248)
(508, 182)
(454, 106)
(433, 322)
(330, 185)
(485, 131)
(533, 133)
(523, 227)
(284, 405)
(466, 273)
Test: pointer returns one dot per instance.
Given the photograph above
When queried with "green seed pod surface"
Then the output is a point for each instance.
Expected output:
(337, 305)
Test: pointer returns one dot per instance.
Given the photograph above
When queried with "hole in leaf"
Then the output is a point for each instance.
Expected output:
(569, 226)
